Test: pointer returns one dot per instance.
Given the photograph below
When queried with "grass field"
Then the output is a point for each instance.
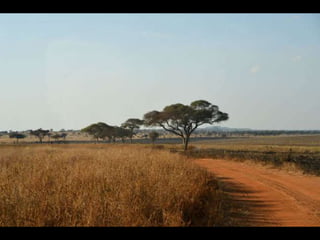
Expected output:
(103, 185)
(300, 152)
(131, 184)
(282, 143)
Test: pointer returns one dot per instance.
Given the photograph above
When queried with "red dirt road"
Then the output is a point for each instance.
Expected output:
(265, 196)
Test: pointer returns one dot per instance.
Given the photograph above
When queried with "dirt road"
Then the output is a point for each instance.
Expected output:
(265, 196)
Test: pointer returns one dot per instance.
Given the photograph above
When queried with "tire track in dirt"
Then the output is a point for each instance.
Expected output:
(264, 196)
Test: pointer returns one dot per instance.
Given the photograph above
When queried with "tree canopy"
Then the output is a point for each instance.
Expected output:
(132, 124)
(57, 136)
(182, 120)
(17, 135)
(99, 130)
(40, 133)
(102, 131)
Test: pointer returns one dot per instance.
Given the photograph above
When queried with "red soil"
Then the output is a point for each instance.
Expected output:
(264, 196)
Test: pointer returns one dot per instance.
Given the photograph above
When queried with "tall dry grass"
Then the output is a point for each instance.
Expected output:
(102, 185)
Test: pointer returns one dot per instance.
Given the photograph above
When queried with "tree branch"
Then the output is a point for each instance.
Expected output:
(175, 128)
(194, 128)
(170, 130)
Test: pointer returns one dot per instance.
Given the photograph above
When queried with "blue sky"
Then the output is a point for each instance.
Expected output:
(71, 70)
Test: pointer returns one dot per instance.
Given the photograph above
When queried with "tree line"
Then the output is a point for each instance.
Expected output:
(178, 119)
(39, 133)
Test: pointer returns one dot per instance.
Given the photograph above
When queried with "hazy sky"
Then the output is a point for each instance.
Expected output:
(71, 70)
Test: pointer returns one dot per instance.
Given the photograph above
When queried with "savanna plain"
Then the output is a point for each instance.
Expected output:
(135, 184)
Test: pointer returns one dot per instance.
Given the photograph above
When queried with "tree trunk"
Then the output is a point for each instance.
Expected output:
(186, 142)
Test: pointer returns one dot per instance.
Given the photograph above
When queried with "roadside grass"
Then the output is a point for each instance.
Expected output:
(294, 153)
(104, 185)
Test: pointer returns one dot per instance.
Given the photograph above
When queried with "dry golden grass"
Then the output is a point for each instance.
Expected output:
(294, 153)
(101, 185)
(297, 143)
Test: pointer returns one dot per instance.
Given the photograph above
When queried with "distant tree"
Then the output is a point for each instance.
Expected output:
(132, 124)
(64, 135)
(182, 120)
(92, 130)
(153, 135)
(99, 131)
(17, 135)
(122, 133)
(40, 133)
(57, 136)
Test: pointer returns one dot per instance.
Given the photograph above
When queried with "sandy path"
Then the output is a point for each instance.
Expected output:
(263, 196)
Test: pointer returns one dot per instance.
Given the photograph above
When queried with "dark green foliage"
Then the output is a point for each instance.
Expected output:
(57, 136)
(99, 130)
(122, 133)
(131, 124)
(17, 135)
(40, 133)
(102, 131)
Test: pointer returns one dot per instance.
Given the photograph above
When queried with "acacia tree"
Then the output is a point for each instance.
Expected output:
(57, 136)
(63, 135)
(99, 130)
(40, 133)
(132, 124)
(102, 130)
(17, 135)
(122, 133)
(182, 120)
